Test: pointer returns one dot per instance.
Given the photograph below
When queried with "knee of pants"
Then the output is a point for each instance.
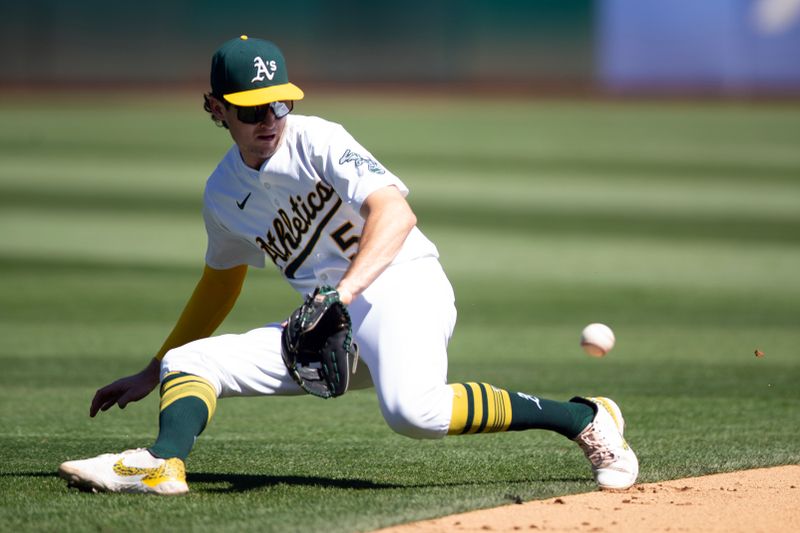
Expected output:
(418, 418)
(169, 359)
(174, 357)
(183, 359)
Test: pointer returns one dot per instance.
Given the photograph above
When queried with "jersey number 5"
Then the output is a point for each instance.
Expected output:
(343, 240)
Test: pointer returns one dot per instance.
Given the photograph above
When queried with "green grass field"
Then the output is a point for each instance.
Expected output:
(676, 223)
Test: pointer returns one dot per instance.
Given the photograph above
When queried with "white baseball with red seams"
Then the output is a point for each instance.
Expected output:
(597, 339)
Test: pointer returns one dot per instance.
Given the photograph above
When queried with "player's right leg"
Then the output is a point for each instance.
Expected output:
(136, 471)
(404, 343)
(193, 377)
(187, 405)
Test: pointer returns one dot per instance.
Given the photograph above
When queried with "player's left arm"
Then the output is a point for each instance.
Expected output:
(388, 219)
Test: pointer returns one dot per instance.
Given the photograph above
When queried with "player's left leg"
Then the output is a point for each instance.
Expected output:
(595, 424)
(403, 325)
(484, 408)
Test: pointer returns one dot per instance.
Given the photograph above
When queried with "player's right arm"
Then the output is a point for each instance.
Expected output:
(212, 300)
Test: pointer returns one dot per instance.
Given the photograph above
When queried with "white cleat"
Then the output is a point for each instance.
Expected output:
(134, 471)
(614, 464)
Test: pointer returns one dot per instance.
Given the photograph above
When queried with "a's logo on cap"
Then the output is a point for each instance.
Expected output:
(264, 69)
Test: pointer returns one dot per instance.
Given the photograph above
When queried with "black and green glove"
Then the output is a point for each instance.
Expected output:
(317, 345)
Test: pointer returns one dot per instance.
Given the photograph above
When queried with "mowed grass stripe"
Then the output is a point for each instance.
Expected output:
(535, 188)
(598, 220)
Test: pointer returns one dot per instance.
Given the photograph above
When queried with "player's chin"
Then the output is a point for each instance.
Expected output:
(266, 145)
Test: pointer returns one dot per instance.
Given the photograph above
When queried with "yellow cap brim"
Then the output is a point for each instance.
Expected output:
(265, 95)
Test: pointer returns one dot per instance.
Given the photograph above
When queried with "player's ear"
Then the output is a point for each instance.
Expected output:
(217, 108)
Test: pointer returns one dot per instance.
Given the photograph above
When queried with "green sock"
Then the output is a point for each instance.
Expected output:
(567, 418)
(483, 408)
(187, 405)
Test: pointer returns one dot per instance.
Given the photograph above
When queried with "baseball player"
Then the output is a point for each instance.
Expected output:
(303, 194)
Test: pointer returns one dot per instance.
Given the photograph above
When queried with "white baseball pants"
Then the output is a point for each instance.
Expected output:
(402, 324)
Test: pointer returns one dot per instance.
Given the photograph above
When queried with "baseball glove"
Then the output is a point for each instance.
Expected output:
(317, 346)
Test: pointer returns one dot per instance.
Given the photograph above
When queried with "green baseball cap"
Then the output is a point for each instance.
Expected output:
(250, 72)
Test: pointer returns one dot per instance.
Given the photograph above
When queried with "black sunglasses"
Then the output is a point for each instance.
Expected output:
(256, 114)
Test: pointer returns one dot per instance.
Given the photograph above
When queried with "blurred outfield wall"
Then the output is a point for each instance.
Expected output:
(93, 41)
(726, 46)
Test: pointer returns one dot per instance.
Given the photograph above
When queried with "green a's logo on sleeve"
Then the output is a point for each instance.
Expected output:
(349, 156)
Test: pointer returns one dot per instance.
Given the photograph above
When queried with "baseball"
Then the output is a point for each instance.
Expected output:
(597, 339)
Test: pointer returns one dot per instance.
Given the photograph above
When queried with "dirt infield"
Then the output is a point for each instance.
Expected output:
(766, 499)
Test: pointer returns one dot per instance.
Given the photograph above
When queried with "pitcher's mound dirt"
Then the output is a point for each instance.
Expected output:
(766, 499)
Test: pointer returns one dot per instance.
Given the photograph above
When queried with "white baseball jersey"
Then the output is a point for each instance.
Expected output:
(301, 209)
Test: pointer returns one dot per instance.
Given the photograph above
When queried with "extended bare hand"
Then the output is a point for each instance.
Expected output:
(126, 390)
